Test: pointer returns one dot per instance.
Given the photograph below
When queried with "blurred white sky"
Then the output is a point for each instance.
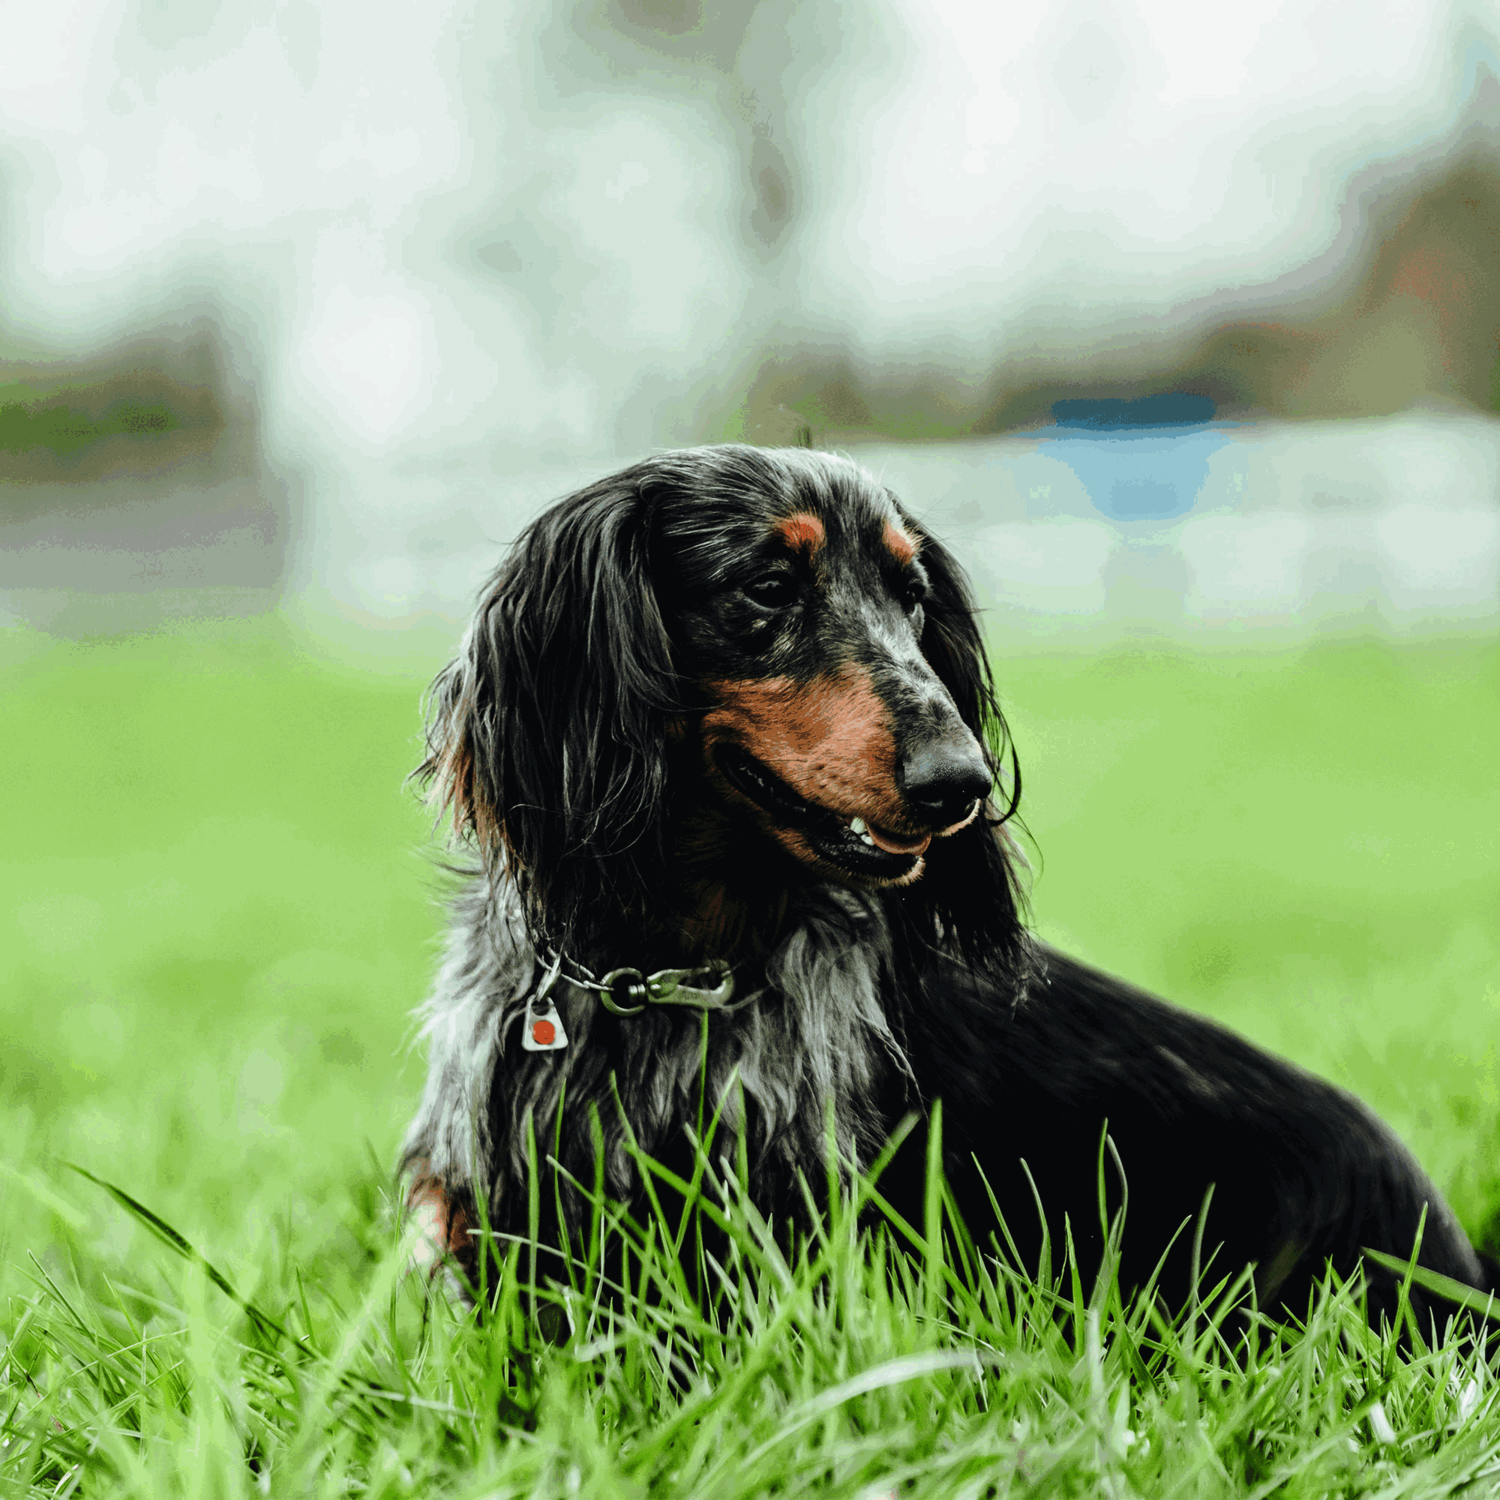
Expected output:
(1082, 158)
(429, 230)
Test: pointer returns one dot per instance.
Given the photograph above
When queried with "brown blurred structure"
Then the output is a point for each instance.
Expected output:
(133, 487)
(1410, 312)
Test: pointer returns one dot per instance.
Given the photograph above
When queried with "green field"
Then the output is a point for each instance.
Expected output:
(218, 910)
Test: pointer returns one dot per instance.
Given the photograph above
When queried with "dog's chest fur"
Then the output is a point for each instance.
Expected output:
(816, 1038)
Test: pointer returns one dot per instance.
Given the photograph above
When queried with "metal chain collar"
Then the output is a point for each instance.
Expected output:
(627, 991)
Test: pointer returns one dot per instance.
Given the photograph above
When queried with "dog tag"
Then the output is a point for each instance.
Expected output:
(544, 1028)
(543, 1031)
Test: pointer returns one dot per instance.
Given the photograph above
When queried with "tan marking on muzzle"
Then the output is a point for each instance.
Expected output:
(829, 740)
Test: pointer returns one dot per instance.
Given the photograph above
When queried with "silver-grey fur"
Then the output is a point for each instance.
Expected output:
(817, 1032)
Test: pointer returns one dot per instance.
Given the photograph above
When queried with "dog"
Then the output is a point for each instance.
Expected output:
(726, 746)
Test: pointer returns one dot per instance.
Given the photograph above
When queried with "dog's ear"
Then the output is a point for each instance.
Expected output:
(546, 736)
(955, 651)
(971, 887)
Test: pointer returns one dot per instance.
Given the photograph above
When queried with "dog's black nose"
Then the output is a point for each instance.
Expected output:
(942, 778)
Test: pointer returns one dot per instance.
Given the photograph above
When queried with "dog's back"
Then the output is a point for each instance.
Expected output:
(1302, 1174)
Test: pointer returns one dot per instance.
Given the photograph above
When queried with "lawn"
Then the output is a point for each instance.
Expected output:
(218, 910)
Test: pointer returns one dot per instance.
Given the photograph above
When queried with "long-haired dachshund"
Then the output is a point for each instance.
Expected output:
(725, 738)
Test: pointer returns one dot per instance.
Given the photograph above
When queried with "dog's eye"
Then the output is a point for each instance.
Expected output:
(913, 594)
(772, 590)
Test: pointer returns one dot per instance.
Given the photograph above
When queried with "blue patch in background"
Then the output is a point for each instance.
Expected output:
(1141, 460)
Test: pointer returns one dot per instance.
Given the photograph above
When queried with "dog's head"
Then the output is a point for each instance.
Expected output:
(748, 664)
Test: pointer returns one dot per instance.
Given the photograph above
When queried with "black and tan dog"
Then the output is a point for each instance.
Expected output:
(724, 734)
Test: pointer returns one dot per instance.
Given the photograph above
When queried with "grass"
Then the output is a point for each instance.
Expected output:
(217, 914)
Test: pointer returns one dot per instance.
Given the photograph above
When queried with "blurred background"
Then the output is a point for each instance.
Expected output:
(1181, 324)
(316, 304)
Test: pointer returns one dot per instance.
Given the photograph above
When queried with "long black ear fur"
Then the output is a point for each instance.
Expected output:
(970, 891)
(547, 734)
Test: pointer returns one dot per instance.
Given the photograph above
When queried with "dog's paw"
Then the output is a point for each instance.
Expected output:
(438, 1229)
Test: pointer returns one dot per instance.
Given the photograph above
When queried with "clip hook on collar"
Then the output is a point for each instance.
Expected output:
(624, 992)
(627, 992)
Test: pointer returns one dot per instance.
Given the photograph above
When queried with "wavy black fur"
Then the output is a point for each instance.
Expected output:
(569, 739)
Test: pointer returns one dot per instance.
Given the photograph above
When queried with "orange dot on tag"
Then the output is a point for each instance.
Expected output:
(544, 1033)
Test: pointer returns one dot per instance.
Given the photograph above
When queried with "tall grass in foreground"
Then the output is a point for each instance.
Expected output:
(874, 1360)
(215, 916)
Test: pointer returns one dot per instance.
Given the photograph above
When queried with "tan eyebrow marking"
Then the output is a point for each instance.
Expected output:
(802, 532)
(900, 542)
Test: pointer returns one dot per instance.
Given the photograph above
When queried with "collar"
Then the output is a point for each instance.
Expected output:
(626, 992)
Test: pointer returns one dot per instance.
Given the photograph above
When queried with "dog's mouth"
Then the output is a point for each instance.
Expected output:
(852, 843)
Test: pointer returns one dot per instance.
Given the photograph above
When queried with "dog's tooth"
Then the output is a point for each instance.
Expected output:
(858, 825)
(865, 837)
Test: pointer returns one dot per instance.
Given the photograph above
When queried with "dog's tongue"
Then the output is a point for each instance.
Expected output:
(893, 843)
